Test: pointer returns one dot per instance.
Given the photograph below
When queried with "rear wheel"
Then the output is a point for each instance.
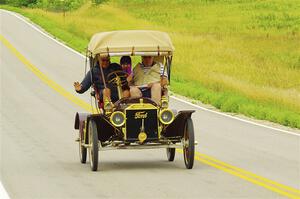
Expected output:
(82, 149)
(93, 145)
(170, 154)
(189, 144)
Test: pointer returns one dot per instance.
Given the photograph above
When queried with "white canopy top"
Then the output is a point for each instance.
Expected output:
(131, 42)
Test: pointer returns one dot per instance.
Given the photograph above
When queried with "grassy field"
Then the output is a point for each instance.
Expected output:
(239, 56)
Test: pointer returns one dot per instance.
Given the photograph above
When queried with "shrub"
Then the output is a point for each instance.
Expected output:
(63, 5)
(97, 2)
(20, 3)
(54, 5)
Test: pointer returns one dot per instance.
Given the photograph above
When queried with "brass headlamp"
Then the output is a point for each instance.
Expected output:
(166, 116)
(118, 118)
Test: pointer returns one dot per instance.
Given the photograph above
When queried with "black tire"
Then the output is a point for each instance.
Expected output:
(93, 142)
(82, 149)
(189, 148)
(170, 154)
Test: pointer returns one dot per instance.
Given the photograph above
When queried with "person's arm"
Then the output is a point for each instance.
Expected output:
(130, 75)
(164, 81)
(163, 75)
(84, 85)
(130, 79)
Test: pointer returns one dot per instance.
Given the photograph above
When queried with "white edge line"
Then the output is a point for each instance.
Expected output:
(230, 116)
(176, 98)
(39, 30)
(3, 193)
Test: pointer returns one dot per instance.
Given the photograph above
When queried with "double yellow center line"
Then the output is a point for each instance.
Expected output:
(246, 175)
(46, 79)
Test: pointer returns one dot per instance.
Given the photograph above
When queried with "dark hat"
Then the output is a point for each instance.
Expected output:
(125, 60)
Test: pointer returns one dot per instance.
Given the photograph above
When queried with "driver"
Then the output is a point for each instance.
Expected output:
(106, 94)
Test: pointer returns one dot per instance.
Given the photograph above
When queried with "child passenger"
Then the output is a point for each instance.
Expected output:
(125, 62)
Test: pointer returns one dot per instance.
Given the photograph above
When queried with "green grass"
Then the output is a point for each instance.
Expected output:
(233, 102)
(239, 56)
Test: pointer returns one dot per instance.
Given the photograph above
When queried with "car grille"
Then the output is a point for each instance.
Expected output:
(134, 120)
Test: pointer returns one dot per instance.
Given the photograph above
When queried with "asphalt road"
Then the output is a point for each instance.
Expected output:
(39, 158)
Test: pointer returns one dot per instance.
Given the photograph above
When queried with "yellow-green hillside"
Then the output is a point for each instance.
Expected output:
(240, 56)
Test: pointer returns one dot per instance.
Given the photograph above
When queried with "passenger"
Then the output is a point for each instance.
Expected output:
(105, 94)
(149, 78)
(125, 62)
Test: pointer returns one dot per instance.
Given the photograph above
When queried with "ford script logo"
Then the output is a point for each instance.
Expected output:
(140, 115)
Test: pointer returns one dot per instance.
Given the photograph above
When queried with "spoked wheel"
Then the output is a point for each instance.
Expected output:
(93, 143)
(82, 149)
(189, 144)
(170, 154)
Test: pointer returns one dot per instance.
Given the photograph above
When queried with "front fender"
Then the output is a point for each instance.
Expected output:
(105, 128)
(176, 128)
(79, 118)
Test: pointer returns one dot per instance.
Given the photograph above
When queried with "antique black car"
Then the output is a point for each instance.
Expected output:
(134, 123)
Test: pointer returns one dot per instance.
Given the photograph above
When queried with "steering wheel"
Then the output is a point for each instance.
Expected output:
(117, 78)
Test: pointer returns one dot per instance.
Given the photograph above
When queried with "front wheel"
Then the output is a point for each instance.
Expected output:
(170, 154)
(93, 145)
(189, 144)
(83, 139)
